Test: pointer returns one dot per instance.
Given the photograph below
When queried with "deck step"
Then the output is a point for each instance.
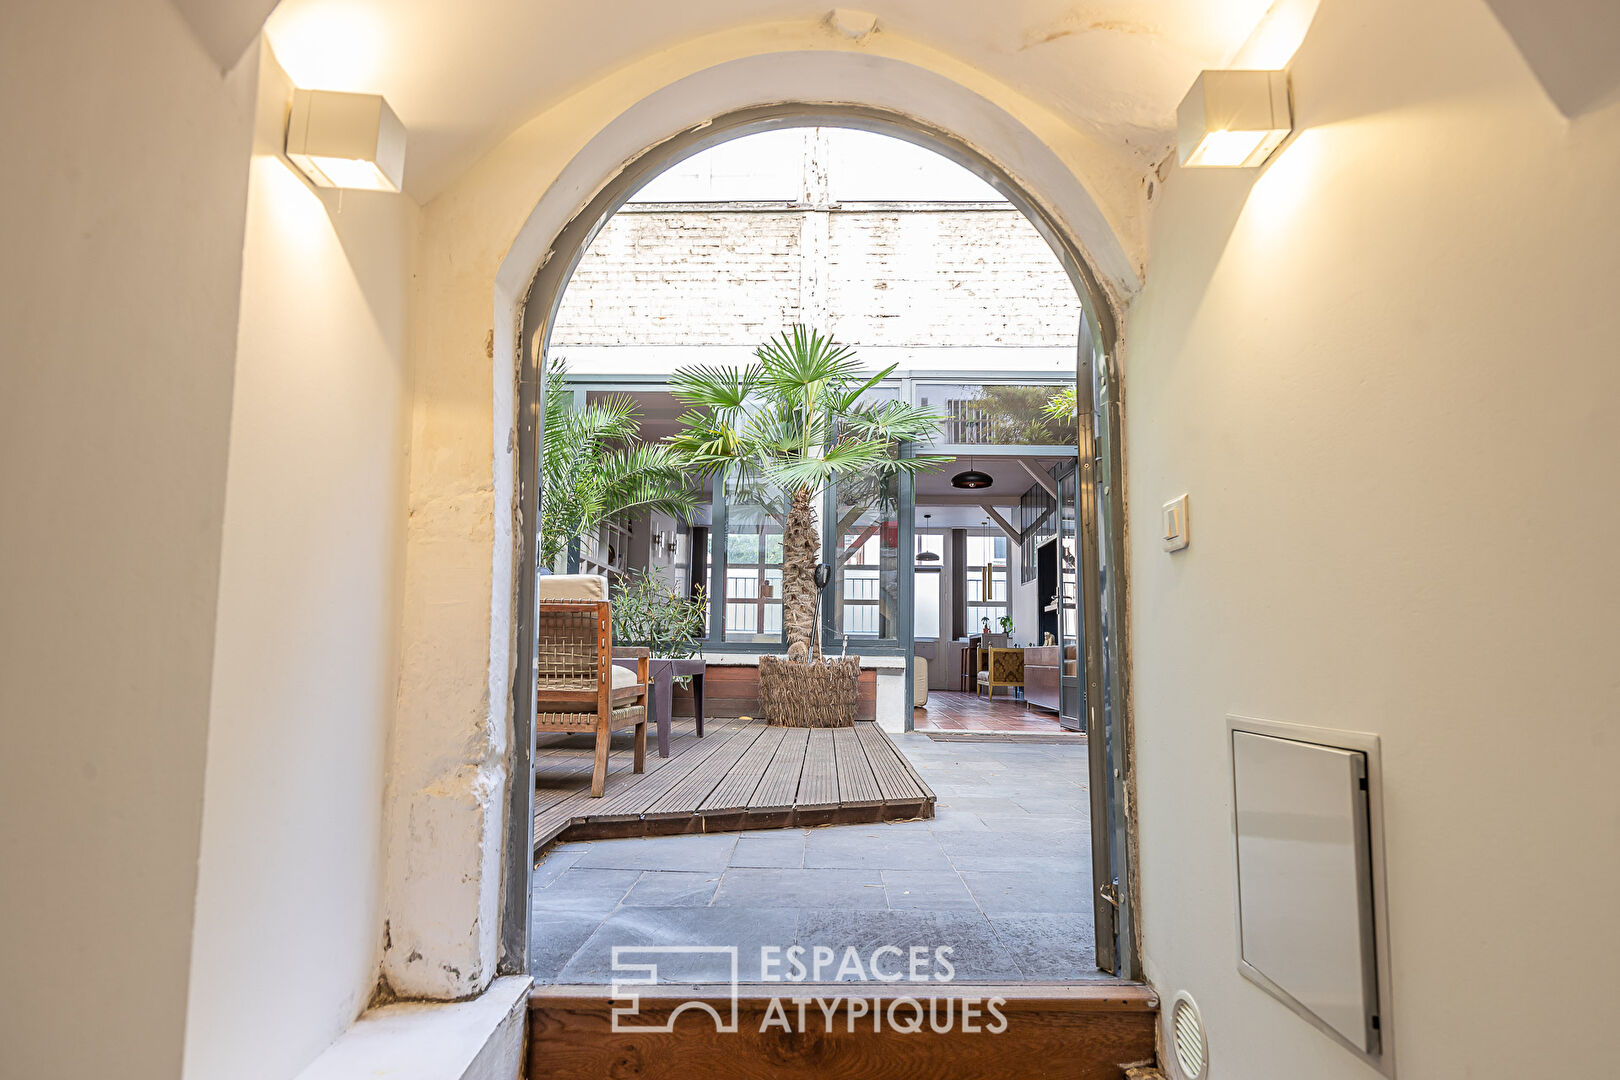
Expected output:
(742, 775)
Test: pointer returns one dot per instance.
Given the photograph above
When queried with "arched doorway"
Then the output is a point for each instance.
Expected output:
(1097, 469)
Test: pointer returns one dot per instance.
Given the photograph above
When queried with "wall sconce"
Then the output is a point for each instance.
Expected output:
(1233, 119)
(346, 140)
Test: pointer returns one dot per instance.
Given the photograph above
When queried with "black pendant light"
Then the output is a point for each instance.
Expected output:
(972, 479)
(927, 556)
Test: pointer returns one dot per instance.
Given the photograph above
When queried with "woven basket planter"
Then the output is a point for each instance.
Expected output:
(823, 694)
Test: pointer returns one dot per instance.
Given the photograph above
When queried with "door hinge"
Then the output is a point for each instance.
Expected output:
(1110, 893)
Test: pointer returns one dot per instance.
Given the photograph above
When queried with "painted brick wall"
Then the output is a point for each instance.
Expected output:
(684, 278)
(881, 276)
(921, 277)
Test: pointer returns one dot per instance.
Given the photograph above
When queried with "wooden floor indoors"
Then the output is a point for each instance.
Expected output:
(743, 774)
(956, 711)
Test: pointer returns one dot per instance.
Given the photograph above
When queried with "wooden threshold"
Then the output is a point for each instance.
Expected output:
(1089, 1031)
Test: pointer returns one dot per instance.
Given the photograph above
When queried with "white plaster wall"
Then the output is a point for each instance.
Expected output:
(1384, 368)
(121, 208)
(288, 916)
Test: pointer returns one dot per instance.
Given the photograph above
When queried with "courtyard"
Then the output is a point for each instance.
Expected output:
(1000, 875)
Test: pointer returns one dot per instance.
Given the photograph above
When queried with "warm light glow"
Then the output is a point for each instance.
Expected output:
(284, 211)
(353, 173)
(333, 44)
(1226, 149)
(1277, 36)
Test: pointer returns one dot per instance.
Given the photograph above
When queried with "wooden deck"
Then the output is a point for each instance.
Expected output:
(740, 775)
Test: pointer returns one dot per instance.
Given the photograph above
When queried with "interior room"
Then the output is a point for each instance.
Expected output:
(974, 571)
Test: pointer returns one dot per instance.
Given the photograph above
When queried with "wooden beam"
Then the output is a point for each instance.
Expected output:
(1086, 1032)
(995, 516)
(1041, 477)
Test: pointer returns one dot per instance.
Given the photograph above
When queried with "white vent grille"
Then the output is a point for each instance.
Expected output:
(1187, 1037)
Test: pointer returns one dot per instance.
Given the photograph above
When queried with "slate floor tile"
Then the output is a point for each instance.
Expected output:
(1047, 947)
(583, 889)
(712, 930)
(705, 852)
(672, 888)
(785, 850)
(556, 937)
(926, 890)
(820, 888)
(1023, 891)
(975, 953)
(874, 847)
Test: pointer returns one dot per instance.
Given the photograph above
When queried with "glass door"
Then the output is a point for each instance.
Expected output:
(1071, 682)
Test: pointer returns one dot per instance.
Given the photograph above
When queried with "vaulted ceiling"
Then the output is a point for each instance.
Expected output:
(463, 74)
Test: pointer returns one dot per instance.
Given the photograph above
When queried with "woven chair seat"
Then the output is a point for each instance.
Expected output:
(586, 685)
(623, 717)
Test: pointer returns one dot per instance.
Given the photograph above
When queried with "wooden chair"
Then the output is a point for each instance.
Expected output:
(1001, 667)
(577, 686)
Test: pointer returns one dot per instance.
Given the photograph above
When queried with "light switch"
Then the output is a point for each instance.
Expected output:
(1175, 524)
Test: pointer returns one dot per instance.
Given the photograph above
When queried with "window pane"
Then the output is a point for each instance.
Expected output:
(997, 414)
(866, 559)
(927, 593)
(753, 566)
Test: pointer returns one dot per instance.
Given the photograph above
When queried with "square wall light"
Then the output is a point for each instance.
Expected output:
(1233, 119)
(346, 140)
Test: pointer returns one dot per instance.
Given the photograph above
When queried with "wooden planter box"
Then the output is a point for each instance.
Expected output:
(732, 690)
(821, 694)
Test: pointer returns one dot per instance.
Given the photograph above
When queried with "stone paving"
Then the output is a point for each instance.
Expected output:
(1001, 874)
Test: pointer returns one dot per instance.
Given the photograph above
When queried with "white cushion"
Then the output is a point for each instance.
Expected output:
(623, 677)
(571, 587)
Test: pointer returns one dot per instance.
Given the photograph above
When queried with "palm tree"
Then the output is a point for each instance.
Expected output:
(791, 421)
(592, 468)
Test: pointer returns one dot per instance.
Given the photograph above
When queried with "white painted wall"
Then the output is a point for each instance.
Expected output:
(121, 208)
(1385, 370)
(1024, 602)
(288, 929)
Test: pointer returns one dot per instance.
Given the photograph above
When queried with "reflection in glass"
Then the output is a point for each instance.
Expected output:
(986, 581)
(928, 584)
(866, 559)
(753, 612)
(997, 414)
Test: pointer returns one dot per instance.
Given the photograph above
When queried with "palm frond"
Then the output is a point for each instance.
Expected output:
(795, 418)
(801, 363)
(714, 387)
(850, 399)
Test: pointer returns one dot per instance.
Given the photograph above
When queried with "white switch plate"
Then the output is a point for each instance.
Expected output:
(1175, 531)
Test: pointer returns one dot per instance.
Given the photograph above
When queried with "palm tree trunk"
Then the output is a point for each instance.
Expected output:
(801, 551)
